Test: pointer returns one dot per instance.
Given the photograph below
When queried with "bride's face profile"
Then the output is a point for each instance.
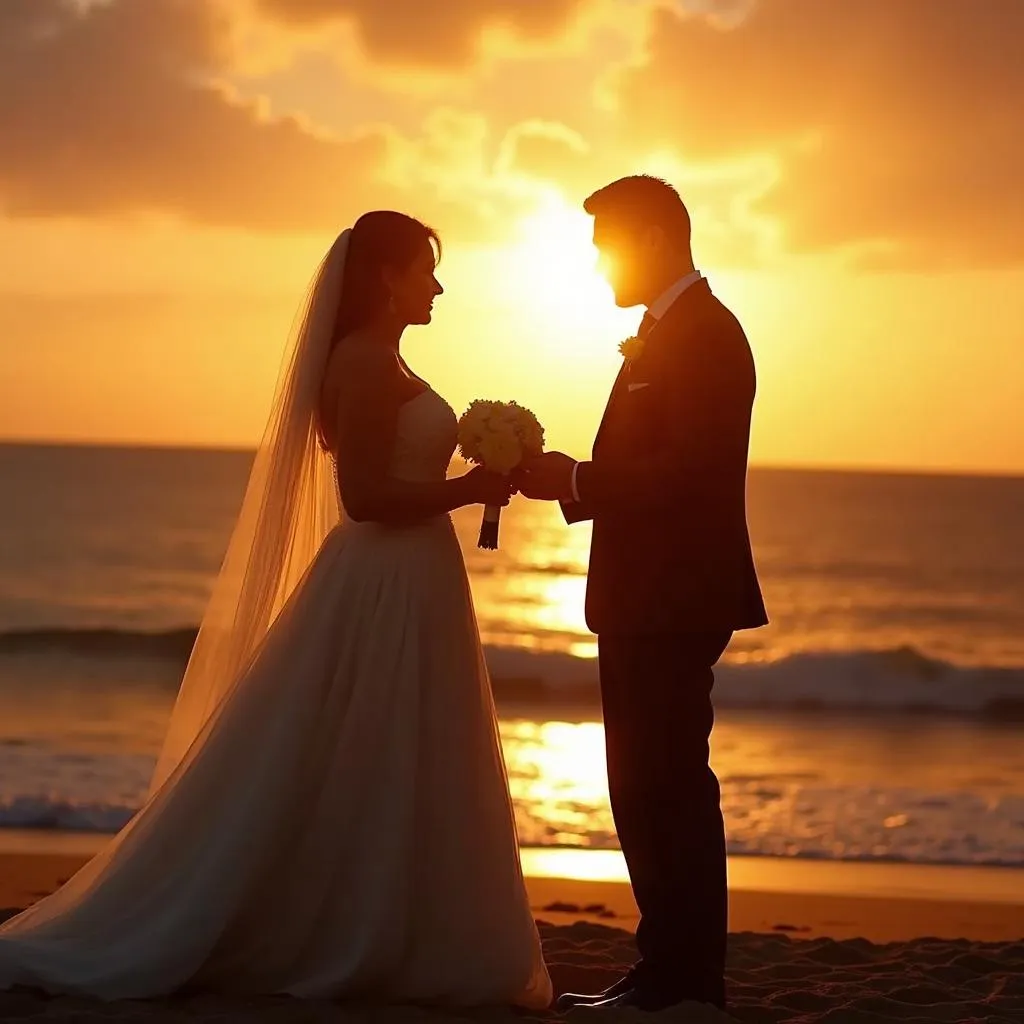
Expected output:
(414, 288)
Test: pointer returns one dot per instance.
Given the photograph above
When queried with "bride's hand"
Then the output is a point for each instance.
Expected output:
(486, 488)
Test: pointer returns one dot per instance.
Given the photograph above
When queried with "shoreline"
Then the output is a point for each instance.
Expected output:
(799, 898)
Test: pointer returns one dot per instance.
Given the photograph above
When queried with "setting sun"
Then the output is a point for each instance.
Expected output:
(547, 283)
(555, 262)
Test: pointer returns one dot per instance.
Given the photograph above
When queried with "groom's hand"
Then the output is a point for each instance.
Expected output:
(547, 477)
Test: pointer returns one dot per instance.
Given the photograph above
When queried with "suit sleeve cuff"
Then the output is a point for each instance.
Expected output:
(572, 483)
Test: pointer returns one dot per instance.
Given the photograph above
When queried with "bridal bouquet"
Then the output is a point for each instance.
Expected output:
(498, 436)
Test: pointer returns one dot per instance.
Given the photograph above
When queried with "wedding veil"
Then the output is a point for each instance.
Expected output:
(290, 506)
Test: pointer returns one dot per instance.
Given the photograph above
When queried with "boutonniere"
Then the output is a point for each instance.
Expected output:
(632, 348)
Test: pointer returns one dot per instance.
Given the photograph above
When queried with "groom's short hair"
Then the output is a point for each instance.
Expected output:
(640, 201)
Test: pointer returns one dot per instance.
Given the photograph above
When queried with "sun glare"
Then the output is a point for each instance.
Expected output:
(555, 260)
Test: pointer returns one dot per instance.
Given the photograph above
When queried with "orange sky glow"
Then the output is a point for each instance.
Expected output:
(172, 170)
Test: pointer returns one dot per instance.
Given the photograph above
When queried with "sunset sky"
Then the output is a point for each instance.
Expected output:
(172, 170)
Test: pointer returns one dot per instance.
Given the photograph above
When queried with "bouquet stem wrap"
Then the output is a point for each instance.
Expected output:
(498, 436)
(489, 528)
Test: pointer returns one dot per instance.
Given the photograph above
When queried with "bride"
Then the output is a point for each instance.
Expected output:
(330, 815)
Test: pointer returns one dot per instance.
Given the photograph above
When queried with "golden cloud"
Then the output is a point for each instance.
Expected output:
(886, 129)
(546, 150)
(465, 181)
(432, 35)
(116, 109)
(896, 125)
(121, 109)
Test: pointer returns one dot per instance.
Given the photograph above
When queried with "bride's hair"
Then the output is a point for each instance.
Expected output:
(380, 239)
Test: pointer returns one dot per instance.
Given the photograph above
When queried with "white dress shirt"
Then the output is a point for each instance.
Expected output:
(657, 309)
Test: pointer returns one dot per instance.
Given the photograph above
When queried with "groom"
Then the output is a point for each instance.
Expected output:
(671, 577)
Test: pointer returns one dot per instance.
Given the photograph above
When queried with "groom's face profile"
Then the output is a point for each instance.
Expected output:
(624, 254)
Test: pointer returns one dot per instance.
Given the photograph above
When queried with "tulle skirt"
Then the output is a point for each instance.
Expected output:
(342, 827)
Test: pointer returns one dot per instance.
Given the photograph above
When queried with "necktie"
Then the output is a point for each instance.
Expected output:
(646, 325)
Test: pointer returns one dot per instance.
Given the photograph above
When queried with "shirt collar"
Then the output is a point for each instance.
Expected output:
(660, 306)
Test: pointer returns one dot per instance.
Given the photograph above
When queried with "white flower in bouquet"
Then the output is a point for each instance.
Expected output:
(498, 436)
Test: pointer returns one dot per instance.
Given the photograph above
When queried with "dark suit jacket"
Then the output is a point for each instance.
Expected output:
(667, 485)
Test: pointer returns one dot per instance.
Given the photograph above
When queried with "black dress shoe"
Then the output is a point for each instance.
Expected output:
(567, 1000)
(645, 1000)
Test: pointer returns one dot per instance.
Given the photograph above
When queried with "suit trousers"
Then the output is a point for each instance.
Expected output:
(666, 801)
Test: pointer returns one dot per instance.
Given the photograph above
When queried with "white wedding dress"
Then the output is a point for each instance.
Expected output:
(344, 828)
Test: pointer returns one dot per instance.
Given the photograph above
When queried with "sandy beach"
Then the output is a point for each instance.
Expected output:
(796, 956)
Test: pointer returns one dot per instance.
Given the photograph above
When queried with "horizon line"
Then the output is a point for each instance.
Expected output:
(863, 469)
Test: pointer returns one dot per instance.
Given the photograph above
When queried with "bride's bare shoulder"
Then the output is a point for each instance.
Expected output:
(357, 360)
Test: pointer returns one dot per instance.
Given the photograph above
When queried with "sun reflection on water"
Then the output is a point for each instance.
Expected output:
(534, 598)
(558, 781)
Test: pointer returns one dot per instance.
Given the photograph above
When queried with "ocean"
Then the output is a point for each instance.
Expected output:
(880, 717)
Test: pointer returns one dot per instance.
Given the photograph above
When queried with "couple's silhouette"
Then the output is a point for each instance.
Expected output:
(330, 813)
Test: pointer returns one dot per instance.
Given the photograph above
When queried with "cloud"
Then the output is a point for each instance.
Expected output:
(887, 129)
(896, 126)
(432, 35)
(546, 150)
(458, 175)
(121, 108)
(115, 109)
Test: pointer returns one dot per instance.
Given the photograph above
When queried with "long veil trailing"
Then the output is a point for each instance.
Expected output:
(290, 506)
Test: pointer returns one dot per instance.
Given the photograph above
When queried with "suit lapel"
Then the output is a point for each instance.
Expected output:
(623, 376)
(620, 381)
(673, 318)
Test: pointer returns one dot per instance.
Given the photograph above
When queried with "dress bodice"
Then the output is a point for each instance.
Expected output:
(425, 438)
